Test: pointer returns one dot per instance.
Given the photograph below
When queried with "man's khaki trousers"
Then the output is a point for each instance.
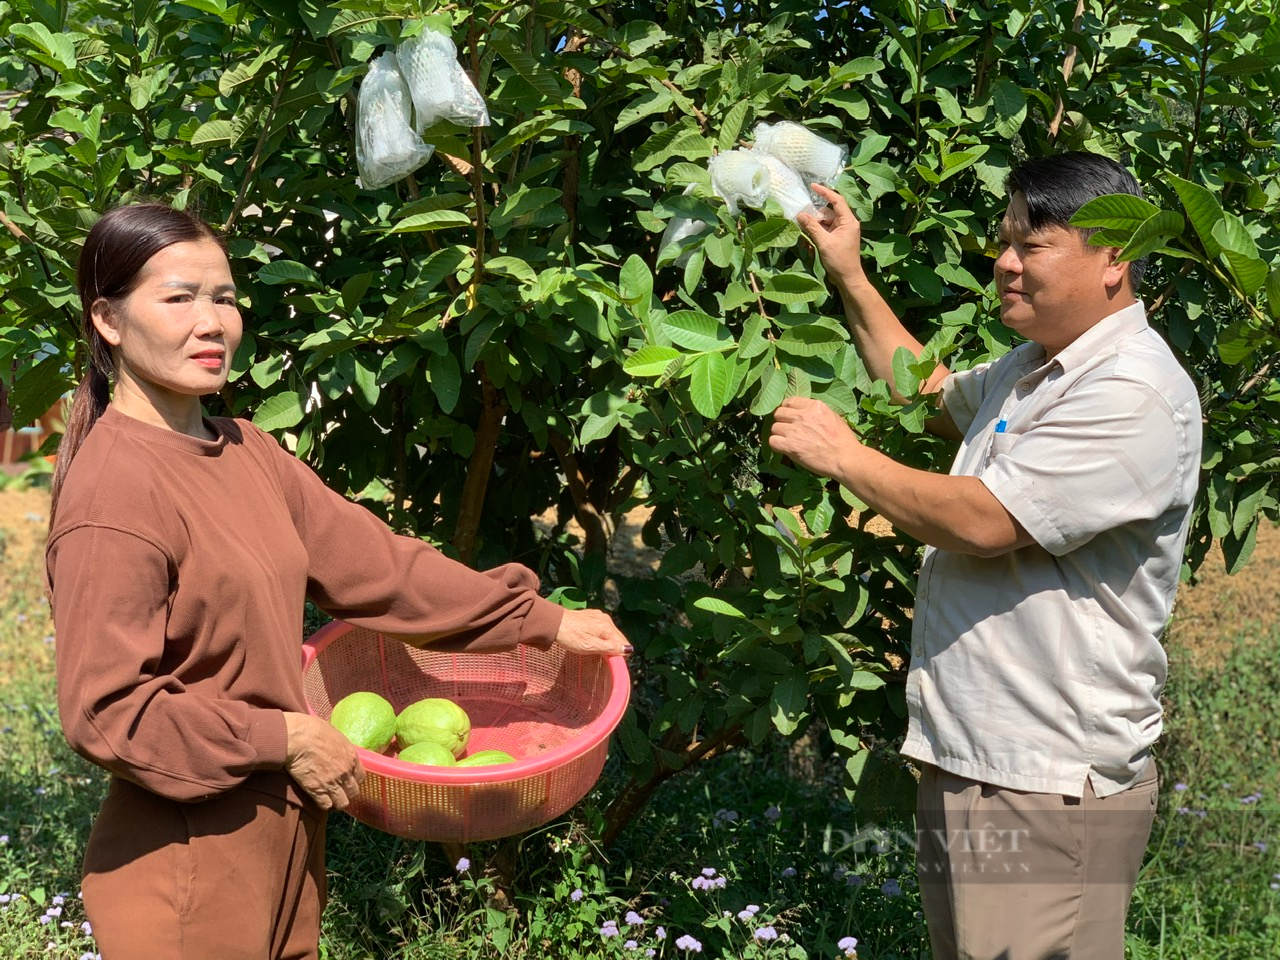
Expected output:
(1011, 875)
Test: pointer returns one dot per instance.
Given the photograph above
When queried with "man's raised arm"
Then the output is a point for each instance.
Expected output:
(877, 331)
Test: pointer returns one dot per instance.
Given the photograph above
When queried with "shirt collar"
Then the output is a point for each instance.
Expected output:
(1106, 332)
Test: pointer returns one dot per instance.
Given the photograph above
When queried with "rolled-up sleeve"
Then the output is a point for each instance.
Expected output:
(1108, 453)
(119, 705)
(962, 394)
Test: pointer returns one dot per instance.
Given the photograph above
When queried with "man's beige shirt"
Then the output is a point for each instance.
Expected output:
(1039, 668)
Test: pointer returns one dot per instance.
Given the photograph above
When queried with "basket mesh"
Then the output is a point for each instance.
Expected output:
(526, 701)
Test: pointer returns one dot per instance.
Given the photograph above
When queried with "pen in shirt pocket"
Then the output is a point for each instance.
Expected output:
(1002, 426)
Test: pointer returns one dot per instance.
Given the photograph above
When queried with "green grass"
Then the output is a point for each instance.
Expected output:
(772, 825)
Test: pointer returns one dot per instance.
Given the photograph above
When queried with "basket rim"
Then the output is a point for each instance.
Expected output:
(596, 732)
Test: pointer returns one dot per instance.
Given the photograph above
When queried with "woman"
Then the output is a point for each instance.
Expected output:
(181, 549)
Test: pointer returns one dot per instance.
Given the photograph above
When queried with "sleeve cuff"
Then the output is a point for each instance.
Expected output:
(269, 738)
(1005, 487)
(541, 624)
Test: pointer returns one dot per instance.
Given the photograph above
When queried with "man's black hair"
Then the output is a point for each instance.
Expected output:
(1056, 186)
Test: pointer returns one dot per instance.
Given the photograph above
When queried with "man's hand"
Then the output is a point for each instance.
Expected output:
(591, 631)
(813, 435)
(837, 234)
(322, 761)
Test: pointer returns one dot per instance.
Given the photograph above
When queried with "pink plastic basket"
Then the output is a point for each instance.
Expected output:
(553, 711)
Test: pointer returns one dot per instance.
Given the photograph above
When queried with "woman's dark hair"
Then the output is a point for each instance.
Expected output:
(110, 265)
(1056, 186)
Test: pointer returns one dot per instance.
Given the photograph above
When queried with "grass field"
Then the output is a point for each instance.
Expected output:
(760, 832)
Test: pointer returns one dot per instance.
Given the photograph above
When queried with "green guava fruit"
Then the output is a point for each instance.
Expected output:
(437, 720)
(429, 753)
(485, 758)
(366, 719)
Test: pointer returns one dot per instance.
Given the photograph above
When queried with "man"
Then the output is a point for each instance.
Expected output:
(1053, 553)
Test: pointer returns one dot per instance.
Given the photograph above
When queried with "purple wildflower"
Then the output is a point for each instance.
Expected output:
(848, 945)
(1179, 787)
(634, 918)
(687, 942)
(854, 880)
(660, 933)
(772, 812)
(788, 872)
(463, 865)
(766, 933)
(708, 871)
(86, 929)
(891, 888)
(610, 929)
(576, 895)
(631, 944)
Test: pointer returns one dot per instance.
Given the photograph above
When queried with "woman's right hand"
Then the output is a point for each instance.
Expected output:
(322, 761)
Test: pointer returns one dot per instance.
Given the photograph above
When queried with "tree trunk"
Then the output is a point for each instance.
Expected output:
(478, 470)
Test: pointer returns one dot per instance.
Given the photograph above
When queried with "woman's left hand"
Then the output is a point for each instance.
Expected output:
(592, 631)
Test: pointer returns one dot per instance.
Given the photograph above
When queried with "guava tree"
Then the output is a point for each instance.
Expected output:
(497, 335)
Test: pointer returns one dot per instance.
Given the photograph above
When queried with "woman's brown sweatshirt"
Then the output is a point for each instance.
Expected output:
(178, 568)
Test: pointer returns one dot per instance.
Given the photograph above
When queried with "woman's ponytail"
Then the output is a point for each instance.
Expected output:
(88, 403)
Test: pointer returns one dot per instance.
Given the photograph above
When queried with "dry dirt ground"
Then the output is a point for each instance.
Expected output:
(1209, 619)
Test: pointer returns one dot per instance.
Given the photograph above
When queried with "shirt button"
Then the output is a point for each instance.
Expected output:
(917, 651)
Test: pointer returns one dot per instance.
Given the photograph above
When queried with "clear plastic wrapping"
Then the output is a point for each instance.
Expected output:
(814, 157)
(387, 148)
(738, 177)
(440, 88)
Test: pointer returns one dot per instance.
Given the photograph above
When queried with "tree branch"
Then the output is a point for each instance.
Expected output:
(262, 138)
(1068, 64)
(573, 144)
(1257, 378)
(596, 524)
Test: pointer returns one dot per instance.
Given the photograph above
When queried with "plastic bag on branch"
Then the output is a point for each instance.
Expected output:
(812, 156)
(788, 188)
(680, 228)
(738, 176)
(387, 149)
(440, 88)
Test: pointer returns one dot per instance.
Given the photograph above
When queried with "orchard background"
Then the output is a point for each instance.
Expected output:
(497, 340)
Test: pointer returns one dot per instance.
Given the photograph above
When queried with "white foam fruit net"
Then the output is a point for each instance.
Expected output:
(440, 88)
(788, 188)
(738, 177)
(679, 229)
(814, 157)
(387, 148)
